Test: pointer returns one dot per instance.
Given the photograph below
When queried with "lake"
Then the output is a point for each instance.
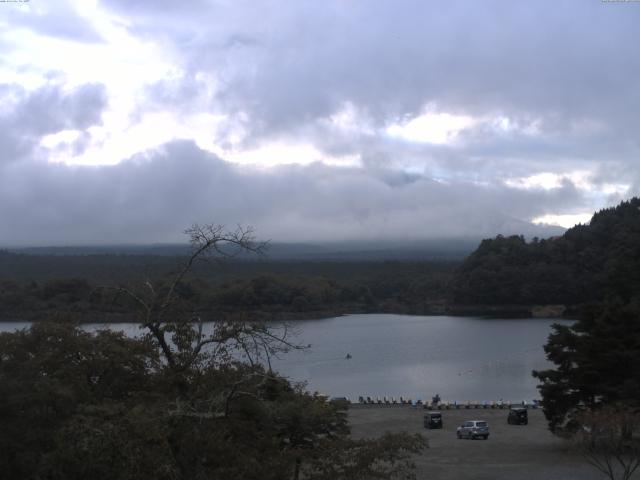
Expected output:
(460, 358)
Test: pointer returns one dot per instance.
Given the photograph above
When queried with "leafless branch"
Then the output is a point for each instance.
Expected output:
(609, 440)
(188, 343)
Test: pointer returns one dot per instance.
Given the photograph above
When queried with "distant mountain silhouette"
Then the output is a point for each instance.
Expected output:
(446, 249)
(455, 248)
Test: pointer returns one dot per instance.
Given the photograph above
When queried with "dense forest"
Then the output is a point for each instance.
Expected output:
(587, 264)
(504, 275)
(33, 286)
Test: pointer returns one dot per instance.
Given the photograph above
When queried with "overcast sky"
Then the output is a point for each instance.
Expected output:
(127, 121)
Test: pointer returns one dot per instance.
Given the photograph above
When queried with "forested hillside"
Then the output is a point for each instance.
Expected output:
(586, 264)
(37, 286)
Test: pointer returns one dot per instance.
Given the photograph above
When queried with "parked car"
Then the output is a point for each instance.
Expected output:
(433, 419)
(473, 429)
(518, 416)
(340, 402)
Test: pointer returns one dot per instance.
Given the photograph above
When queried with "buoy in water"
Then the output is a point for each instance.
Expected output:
(348, 356)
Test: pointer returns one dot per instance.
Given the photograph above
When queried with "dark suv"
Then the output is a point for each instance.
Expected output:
(433, 420)
(518, 416)
(473, 429)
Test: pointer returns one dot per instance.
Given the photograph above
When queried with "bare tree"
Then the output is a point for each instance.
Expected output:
(178, 329)
(609, 439)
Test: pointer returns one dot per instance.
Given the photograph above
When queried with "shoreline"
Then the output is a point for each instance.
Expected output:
(484, 311)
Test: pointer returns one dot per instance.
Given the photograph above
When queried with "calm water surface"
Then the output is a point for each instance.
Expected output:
(460, 358)
(418, 356)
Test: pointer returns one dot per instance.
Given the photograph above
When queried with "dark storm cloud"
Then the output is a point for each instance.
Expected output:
(551, 86)
(27, 116)
(390, 58)
(283, 68)
(53, 19)
(154, 196)
(50, 109)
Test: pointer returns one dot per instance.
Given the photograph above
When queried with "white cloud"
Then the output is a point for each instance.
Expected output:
(155, 195)
(545, 180)
(431, 127)
(582, 180)
(566, 221)
(275, 153)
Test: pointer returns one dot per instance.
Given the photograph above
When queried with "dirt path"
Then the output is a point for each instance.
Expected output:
(512, 452)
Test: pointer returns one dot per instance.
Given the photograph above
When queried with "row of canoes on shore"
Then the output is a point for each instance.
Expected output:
(445, 405)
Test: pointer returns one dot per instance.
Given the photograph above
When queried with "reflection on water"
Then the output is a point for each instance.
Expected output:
(460, 358)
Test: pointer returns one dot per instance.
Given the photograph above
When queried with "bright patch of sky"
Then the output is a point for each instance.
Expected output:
(579, 179)
(549, 180)
(566, 221)
(274, 154)
(431, 127)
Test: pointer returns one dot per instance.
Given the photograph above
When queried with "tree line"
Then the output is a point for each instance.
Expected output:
(266, 289)
(588, 263)
(592, 393)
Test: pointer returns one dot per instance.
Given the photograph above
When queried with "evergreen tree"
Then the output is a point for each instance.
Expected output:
(597, 362)
(588, 263)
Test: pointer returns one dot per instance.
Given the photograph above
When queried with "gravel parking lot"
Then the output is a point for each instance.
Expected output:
(512, 451)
